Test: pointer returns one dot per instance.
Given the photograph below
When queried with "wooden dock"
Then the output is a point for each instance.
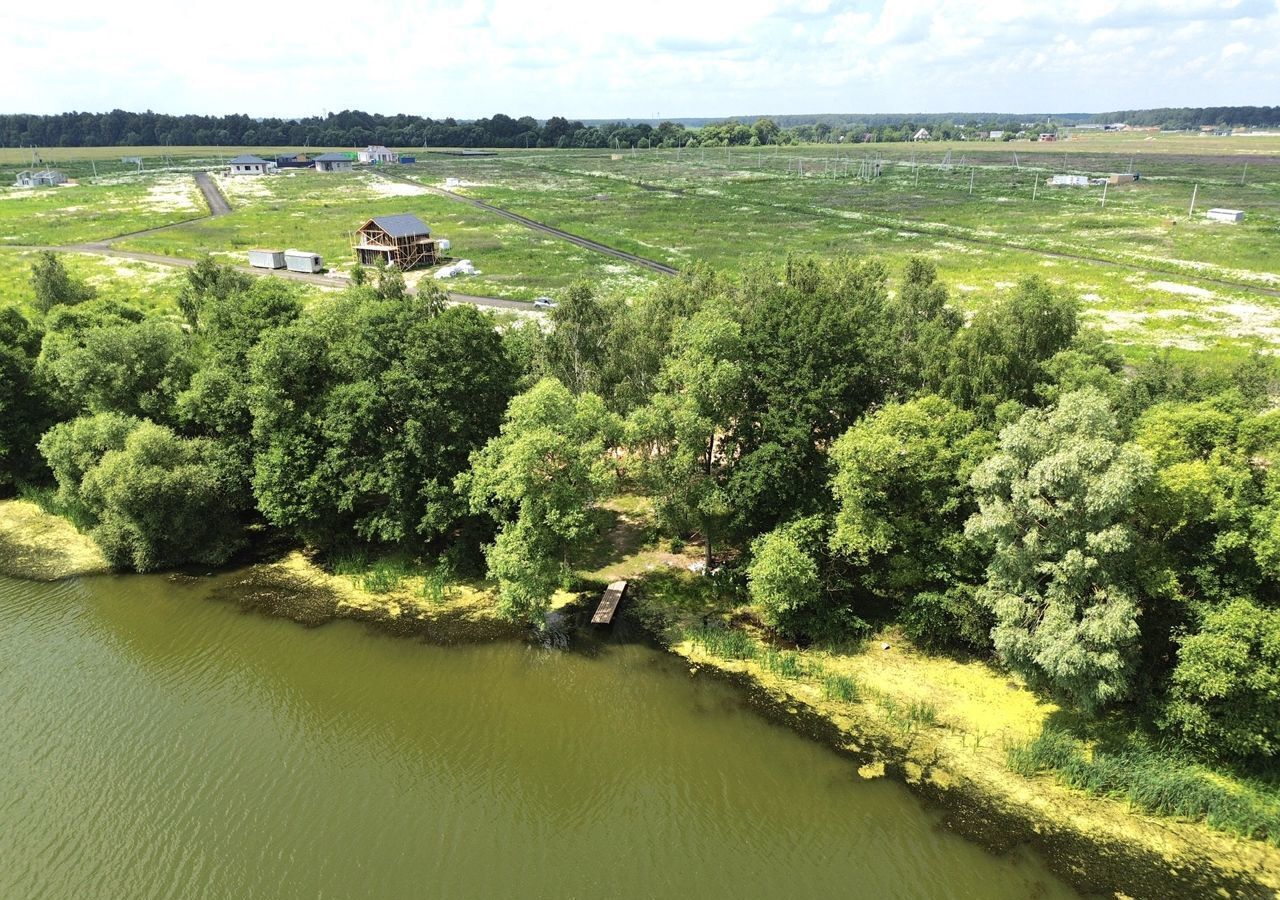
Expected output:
(609, 603)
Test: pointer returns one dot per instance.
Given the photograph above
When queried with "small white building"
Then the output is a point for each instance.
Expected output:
(1069, 181)
(376, 153)
(249, 165)
(995, 135)
(1231, 216)
(266, 259)
(333, 162)
(301, 261)
(921, 135)
(42, 178)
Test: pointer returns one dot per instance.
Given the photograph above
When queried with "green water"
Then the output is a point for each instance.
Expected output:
(156, 743)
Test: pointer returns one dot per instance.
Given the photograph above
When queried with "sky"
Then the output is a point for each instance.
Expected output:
(600, 59)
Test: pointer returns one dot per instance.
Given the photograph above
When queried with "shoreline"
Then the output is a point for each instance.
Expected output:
(1098, 845)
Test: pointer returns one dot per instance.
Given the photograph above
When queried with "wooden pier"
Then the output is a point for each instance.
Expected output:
(609, 603)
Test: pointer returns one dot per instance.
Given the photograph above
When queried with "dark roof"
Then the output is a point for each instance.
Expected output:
(333, 157)
(248, 161)
(403, 225)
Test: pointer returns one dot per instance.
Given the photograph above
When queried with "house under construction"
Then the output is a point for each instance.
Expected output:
(403, 241)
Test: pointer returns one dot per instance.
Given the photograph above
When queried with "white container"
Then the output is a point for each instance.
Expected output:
(302, 261)
(1225, 215)
(266, 259)
(445, 246)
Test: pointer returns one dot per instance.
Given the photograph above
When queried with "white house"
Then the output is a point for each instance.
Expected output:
(921, 135)
(376, 153)
(333, 162)
(249, 165)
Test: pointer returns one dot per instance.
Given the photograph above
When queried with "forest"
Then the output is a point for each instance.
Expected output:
(841, 445)
(353, 128)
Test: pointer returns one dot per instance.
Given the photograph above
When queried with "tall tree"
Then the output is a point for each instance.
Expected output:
(539, 479)
(1056, 508)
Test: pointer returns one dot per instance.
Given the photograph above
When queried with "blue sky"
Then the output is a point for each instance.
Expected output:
(669, 58)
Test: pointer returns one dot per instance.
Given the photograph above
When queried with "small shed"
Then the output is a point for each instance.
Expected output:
(42, 178)
(1123, 178)
(294, 161)
(248, 165)
(376, 154)
(333, 162)
(408, 160)
(302, 261)
(1047, 137)
(1231, 216)
(921, 135)
(402, 240)
(266, 259)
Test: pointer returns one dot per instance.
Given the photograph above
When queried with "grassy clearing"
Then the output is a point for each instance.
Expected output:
(145, 285)
(320, 212)
(75, 213)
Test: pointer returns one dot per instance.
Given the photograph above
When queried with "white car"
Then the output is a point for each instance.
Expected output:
(545, 303)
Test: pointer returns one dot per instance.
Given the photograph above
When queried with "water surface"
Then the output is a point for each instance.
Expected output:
(156, 743)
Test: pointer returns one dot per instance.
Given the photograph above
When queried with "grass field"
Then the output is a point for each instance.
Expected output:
(1147, 272)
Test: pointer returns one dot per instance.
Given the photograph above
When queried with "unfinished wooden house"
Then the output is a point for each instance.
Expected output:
(403, 241)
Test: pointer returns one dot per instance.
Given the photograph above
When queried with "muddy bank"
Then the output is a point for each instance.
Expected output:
(39, 547)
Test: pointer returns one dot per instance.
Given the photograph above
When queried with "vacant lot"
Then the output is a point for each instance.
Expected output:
(1147, 272)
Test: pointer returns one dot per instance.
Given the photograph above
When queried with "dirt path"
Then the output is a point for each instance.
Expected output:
(103, 248)
(585, 243)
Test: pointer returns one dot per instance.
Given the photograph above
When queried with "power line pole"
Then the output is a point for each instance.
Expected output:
(1192, 209)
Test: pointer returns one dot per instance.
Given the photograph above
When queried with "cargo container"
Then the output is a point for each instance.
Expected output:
(266, 259)
(301, 261)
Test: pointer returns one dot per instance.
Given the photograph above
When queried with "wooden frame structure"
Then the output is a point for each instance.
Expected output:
(403, 241)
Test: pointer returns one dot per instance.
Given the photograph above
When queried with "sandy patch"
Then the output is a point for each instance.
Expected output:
(1173, 287)
(173, 193)
(394, 188)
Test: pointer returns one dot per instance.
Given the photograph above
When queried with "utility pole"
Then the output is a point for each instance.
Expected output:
(971, 171)
(1192, 209)
(1035, 186)
(1244, 173)
(1104, 194)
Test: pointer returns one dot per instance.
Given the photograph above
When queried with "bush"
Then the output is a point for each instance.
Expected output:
(1226, 687)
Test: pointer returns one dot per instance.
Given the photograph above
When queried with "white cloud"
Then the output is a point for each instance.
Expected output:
(599, 58)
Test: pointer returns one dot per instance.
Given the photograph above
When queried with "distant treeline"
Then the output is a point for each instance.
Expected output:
(353, 128)
(1196, 117)
(349, 128)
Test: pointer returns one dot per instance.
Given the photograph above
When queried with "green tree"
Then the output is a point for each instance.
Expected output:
(577, 345)
(783, 576)
(1226, 686)
(72, 448)
(53, 286)
(207, 280)
(814, 350)
(902, 483)
(539, 479)
(105, 363)
(365, 411)
(1001, 356)
(26, 409)
(1056, 507)
(677, 434)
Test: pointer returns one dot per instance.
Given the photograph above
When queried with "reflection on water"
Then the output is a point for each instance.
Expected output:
(159, 744)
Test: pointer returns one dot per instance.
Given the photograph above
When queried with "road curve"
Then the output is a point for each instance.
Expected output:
(580, 241)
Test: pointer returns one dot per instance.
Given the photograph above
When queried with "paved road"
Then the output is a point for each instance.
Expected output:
(580, 241)
(104, 249)
(218, 205)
